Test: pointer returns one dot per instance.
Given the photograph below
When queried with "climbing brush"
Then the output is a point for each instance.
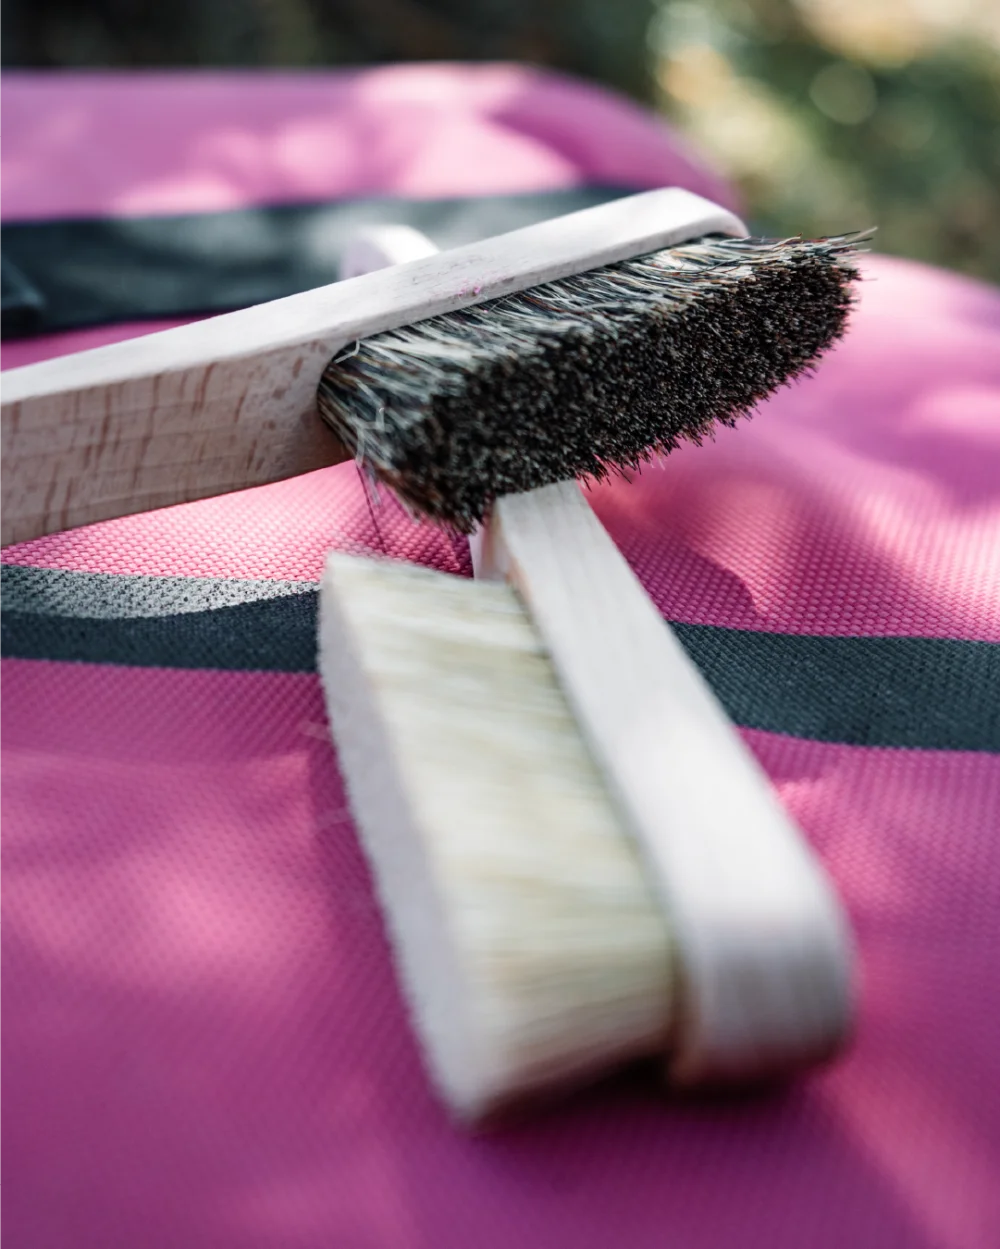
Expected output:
(579, 860)
(585, 375)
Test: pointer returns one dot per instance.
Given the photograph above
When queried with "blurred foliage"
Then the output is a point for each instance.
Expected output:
(834, 114)
(829, 114)
(599, 39)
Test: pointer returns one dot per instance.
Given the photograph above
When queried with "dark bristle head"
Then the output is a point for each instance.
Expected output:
(588, 374)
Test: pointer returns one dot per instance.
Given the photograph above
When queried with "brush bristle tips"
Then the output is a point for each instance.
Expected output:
(586, 375)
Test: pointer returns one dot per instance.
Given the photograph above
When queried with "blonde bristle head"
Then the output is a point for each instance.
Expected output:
(530, 946)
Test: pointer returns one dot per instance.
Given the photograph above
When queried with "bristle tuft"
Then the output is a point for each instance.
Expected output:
(586, 375)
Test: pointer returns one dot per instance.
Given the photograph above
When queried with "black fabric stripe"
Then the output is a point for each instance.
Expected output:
(64, 274)
(270, 635)
(906, 692)
(933, 693)
(106, 595)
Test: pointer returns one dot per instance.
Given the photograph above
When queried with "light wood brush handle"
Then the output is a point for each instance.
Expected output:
(764, 954)
(230, 402)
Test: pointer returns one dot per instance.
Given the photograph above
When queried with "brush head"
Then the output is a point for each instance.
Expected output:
(532, 948)
(585, 375)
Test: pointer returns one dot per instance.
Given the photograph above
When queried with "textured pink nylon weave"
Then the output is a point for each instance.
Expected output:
(204, 1043)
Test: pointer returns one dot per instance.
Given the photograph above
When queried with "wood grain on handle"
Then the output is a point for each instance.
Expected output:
(229, 402)
(99, 452)
(764, 952)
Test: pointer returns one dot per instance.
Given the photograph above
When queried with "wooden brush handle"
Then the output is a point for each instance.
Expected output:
(764, 956)
(230, 402)
(104, 451)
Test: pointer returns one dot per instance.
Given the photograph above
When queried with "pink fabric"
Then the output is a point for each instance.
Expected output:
(282, 532)
(140, 145)
(204, 1044)
(864, 500)
(21, 351)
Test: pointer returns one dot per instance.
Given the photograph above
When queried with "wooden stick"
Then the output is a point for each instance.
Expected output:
(764, 953)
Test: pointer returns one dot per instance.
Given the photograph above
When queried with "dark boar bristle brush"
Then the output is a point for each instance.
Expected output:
(579, 860)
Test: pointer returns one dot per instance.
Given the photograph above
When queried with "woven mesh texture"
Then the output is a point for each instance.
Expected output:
(204, 1042)
(281, 532)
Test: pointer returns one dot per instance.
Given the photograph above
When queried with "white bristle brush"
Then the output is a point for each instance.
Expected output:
(454, 411)
(532, 949)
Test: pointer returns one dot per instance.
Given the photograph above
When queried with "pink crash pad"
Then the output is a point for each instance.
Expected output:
(204, 1042)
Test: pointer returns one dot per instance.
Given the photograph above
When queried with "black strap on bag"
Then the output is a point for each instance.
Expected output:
(67, 274)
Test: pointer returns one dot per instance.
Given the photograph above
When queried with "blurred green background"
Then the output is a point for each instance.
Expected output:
(829, 114)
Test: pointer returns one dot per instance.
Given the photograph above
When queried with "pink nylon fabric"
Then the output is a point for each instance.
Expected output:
(863, 500)
(190, 142)
(21, 351)
(205, 1045)
(204, 1042)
